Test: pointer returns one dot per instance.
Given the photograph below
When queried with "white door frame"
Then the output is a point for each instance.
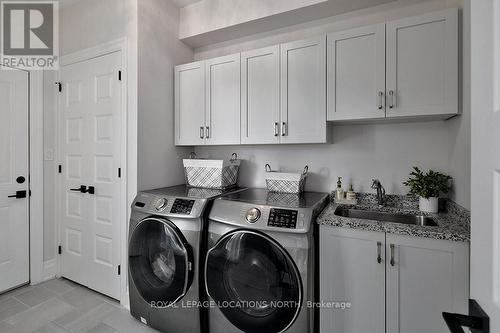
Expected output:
(128, 151)
(36, 175)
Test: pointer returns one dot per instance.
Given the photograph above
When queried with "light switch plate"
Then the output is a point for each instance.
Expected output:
(48, 154)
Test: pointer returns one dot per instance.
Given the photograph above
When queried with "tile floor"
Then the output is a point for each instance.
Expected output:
(61, 306)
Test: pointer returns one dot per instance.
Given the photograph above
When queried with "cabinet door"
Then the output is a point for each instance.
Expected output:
(352, 269)
(426, 278)
(223, 100)
(260, 96)
(190, 104)
(303, 91)
(356, 74)
(422, 65)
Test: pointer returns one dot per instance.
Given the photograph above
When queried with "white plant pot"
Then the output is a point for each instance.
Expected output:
(428, 205)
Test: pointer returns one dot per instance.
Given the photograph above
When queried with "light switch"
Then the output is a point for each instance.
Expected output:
(48, 154)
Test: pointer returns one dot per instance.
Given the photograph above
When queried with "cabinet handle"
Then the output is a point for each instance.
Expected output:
(207, 132)
(283, 129)
(393, 263)
(276, 129)
(379, 252)
(391, 99)
(202, 132)
(380, 100)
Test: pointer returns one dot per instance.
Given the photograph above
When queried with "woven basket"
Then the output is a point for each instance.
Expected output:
(213, 174)
(285, 182)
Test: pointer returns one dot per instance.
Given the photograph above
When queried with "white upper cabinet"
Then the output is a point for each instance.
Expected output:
(303, 91)
(190, 104)
(223, 100)
(356, 74)
(260, 96)
(405, 69)
(422, 65)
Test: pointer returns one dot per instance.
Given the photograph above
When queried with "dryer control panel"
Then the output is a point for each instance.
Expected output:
(182, 206)
(282, 218)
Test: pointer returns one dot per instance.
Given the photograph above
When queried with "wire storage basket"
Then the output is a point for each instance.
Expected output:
(211, 173)
(285, 182)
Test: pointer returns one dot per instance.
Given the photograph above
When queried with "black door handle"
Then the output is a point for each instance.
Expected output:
(82, 189)
(477, 320)
(18, 195)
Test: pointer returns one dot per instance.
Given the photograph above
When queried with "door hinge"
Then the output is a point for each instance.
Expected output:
(119, 75)
(59, 86)
(119, 269)
(119, 172)
(59, 168)
(59, 249)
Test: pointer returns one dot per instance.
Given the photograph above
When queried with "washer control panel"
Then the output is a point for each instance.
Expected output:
(282, 218)
(182, 206)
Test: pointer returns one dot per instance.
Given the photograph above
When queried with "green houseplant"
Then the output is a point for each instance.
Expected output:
(428, 187)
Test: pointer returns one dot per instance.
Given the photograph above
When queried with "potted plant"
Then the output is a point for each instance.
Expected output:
(428, 187)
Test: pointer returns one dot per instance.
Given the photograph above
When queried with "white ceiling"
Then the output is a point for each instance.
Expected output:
(66, 3)
(184, 3)
(179, 3)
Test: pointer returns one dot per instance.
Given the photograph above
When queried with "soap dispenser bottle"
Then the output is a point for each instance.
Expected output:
(339, 193)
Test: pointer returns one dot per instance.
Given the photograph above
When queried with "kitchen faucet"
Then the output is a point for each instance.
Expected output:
(380, 192)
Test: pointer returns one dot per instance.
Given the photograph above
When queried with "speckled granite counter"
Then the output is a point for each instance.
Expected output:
(453, 221)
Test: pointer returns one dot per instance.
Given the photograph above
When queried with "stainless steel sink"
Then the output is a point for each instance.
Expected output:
(385, 217)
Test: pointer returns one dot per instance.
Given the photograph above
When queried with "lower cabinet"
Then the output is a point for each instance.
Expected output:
(394, 283)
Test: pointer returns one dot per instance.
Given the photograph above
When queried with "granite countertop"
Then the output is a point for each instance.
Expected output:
(453, 220)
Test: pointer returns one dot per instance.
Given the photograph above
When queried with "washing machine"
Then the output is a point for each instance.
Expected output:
(166, 237)
(259, 267)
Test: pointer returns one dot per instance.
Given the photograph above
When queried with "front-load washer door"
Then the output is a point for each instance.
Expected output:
(160, 262)
(254, 282)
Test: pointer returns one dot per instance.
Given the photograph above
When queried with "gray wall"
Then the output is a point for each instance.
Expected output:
(159, 161)
(362, 152)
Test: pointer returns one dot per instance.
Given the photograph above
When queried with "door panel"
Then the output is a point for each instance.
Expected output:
(428, 277)
(190, 104)
(303, 91)
(252, 269)
(14, 223)
(422, 65)
(91, 155)
(485, 185)
(260, 99)
(351, 272)
(356, 74)
(105, 148)
(74, 155)
(223, 100)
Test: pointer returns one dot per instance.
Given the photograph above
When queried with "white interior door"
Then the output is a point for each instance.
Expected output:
(90, 118)
(485, 195)
(14, 223)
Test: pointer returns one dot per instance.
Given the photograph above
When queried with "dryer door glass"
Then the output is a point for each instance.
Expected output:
(160, 261)
(254, 282)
